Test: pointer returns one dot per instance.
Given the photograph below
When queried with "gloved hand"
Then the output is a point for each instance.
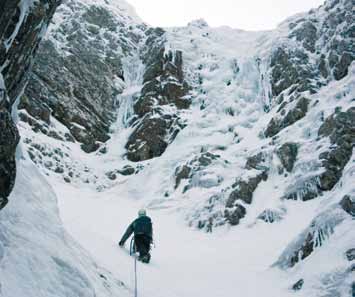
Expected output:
(121, 243)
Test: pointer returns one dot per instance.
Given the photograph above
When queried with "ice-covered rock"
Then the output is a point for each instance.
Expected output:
(81, 59)
(294, 115)
(9, 139)
(22, 25)
(348, 204)
(312, 238)
(340, 128)
(288, 155)
(272, 215)
(164, 85)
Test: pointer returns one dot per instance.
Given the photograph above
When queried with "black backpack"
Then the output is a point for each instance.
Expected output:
(143, 225)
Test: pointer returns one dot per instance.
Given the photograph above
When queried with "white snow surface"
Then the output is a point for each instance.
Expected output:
(38, 258)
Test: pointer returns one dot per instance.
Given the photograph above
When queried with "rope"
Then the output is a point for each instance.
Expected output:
(135, 277)
(132, 251)
(131, 247)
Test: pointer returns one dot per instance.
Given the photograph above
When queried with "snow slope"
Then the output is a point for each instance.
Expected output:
(185, 262)
(37, 256)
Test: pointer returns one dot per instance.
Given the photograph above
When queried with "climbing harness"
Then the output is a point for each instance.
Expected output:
(132, 251)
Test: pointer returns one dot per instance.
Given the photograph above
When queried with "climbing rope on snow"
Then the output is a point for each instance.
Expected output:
(131, 247)
(132, 251)
(135, 277)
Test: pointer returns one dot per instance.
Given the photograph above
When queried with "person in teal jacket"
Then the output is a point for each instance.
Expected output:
(142, 228)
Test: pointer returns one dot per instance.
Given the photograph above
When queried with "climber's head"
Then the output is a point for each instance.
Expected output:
(142, 213)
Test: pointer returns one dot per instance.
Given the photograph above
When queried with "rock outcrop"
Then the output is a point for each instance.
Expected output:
(295, 114)
(271, 215)
(258, 162)
(192, 171)
(9, 138)
(348, 205)
(291, 68)
(21, 29)
(313, 237)
(79, 73)
(316, 51)
(152, 136)
(298, 285)
(242, 191)
(340, 128)
(350, 254)
(163, 94)
(288, 155)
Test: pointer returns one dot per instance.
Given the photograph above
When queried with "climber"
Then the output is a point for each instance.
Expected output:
(143, 235)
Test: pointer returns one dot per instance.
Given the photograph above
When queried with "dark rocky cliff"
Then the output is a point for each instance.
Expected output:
(22, 25)
(79, 74)
(164, 86)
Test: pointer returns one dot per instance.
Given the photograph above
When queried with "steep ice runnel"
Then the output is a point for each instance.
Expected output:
(133, 70)
(126, 106)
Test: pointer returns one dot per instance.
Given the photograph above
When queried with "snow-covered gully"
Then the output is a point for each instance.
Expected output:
(238, 144)
(184, 262)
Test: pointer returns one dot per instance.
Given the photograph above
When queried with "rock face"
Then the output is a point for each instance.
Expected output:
(193, 172)
(163, 94)
(290, 68)
(242, 191)
(21, 30)
(294, 115)
(9, 138)
(288, 155)
(348, 205)
(257, 162)
(182, 172)
(350, 254)
(298, 285)
(334, 54)
(152, 136)
(271, 215)
(313, 237)
(78, 73)
(316, 51)
(234, 216)
(340, 128)
(306, 33)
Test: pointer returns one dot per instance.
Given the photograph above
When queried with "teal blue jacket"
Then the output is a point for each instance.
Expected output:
(140, 226)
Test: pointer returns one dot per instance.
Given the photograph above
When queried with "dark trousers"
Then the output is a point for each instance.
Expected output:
(142, 244)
